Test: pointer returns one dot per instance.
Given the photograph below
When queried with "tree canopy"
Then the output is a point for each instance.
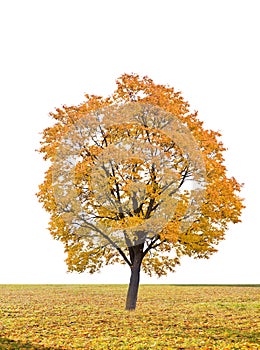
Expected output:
(135, 178)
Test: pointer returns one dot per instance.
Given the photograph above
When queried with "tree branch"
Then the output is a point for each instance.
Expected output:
(89, 225)
(152, 244)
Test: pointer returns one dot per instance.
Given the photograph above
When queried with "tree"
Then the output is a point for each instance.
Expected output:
(135, 178)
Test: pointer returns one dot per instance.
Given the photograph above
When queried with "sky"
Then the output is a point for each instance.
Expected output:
(52, 52)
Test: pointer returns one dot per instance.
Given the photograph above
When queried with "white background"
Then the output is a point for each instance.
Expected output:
(52, 52)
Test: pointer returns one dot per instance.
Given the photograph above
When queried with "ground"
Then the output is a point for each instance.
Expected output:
(93, 317)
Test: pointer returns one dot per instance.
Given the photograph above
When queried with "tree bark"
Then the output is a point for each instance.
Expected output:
(133, 288)
(136, 257)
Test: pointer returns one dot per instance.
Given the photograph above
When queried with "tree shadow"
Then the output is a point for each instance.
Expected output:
(9, 344)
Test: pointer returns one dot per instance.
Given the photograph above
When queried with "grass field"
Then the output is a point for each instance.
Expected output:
(93, 317)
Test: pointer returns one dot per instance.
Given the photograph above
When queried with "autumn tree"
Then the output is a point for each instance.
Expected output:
(136, 179)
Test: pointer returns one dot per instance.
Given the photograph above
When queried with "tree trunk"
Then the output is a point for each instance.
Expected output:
(133, 287)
